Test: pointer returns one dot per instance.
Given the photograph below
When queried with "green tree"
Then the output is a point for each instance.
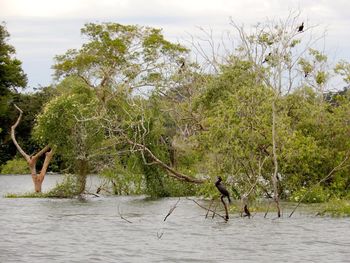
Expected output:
(11, 73)
(68, 124)
(236, 143)
(122, 64)
(11, 78)
(278, 53)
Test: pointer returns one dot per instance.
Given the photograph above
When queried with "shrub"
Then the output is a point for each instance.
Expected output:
(335, 207)
(65, 189)
(316, 195)
(15, 166)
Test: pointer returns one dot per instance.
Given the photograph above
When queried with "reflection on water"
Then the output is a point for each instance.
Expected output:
(54, 230)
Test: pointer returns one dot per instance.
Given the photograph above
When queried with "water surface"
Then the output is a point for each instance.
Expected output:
(72, 230)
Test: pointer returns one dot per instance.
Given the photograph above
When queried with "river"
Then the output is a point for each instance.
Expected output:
(71, 230)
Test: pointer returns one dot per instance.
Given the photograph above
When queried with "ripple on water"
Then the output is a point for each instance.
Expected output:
(54, 230)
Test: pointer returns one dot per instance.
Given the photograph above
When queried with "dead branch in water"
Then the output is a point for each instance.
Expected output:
(172, 209)
(214, 213)
(89, 193)
(121, 216)
(267, 210)
(160, 235)
(212, 201)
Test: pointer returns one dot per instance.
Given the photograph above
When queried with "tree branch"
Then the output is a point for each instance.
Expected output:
(48, 157)
(13, 136)
(171, 171)
(223, 217)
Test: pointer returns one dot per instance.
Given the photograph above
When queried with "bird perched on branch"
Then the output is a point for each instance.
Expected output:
(246, 211)
(182, 66)
(222, 189)
(301, 27)
(267, 58)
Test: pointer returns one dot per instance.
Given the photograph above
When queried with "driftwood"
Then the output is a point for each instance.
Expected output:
(32, 159)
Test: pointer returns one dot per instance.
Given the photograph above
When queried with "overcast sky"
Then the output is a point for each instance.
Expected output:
(41, 29)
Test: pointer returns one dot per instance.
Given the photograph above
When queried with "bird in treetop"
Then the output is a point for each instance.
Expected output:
(301, 27)
(267, 58)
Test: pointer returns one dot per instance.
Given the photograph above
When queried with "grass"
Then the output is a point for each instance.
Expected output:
(35, 195)
(335, 208)
(26, 195)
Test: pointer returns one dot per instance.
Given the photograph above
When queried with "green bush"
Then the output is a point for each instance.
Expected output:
(123, 181)
(335, 207)
(15, 166)
(66, 189)
(316, 195)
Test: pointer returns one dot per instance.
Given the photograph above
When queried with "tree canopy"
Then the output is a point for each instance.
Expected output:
(134, 107)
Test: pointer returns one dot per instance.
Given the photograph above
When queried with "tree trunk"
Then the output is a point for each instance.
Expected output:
(275, 162)
(32, 160)
(82, 169)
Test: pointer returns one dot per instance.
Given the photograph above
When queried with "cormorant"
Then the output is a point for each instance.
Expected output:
(267, 58)
(301, 27)
(246, 211)
(222, 189)
(182, 65)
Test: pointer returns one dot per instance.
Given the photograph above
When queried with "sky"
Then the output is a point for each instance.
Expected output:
(42, 29)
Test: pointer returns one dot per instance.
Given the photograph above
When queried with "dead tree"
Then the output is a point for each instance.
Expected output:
(32, 159)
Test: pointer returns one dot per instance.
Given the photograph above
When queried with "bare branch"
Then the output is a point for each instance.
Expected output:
(48, 157)
(13, 137)
(214, 212)
(121, 216)
(171, 209)
(172, 172)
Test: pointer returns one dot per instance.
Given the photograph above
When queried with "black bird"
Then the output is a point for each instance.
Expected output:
(246, 211)
(182, 65)
(267, 58)
(222, 189)
(301, 27)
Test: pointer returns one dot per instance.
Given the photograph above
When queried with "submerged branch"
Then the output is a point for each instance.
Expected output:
(214, 213)
(122, 217)
(171, 210)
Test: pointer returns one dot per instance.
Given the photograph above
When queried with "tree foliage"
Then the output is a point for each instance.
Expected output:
(131, 105)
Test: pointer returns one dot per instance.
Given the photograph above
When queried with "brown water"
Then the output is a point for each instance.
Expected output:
(55, 230)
